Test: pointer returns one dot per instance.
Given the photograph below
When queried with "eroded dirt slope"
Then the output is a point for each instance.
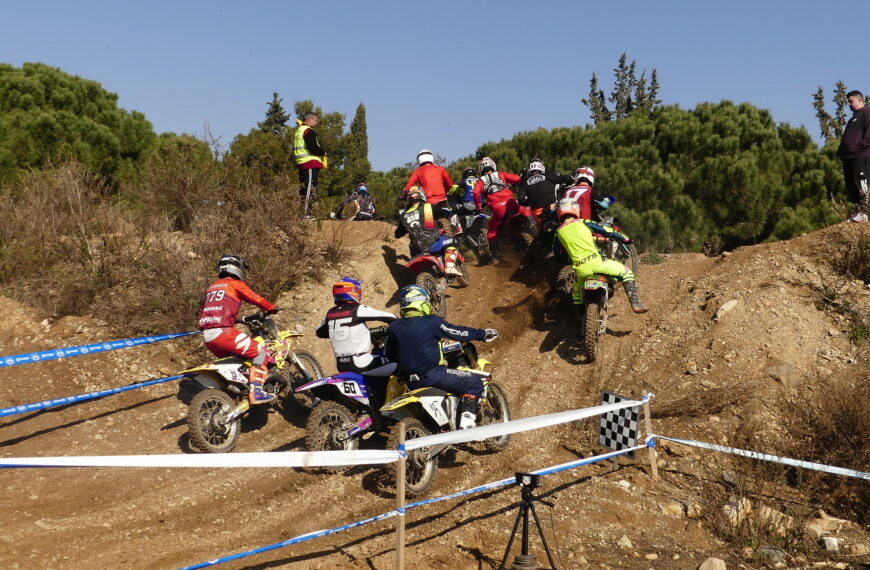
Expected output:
(710, 375)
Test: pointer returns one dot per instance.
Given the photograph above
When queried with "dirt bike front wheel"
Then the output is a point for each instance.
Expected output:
(436, 297)
(207, 427)
(465, 280)
(297, 375)
(495, 410)
(420, 469)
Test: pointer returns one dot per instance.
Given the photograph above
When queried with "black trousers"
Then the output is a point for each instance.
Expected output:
(856, 171)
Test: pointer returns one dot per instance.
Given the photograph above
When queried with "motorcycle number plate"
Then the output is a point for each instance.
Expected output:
(594, 284)
(451, 346)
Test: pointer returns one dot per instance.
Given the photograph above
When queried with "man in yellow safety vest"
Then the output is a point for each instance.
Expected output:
(310, 158)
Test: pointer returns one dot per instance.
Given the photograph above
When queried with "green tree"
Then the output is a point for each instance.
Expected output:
(276, 117)
(356, 142)
(629, 93)
(47, 115)
(597, 102)
(826, 122)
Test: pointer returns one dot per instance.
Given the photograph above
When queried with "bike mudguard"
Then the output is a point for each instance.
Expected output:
(412, 397)
(424, 262)
(595, 282)
(215, 364)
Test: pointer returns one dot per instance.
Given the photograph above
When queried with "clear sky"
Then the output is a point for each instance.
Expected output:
(446, 75)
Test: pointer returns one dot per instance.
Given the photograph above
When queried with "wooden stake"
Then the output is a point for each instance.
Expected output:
(400, 500)
(653, 456)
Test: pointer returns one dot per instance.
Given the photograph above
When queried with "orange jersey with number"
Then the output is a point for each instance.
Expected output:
(222, 301)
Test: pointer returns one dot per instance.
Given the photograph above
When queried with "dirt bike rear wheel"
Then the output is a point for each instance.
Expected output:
(296, 377)
(326, 424)
(495, 410)
(436, 298)
(465, 280)
(592, 314)
(420, 469)
(206, 429)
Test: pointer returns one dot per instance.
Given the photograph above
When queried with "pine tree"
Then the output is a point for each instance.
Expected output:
(621, 95)
(276, 117)
(825, 120)
(641, 97)
(651, 100)
(596, 102)
(840, 102)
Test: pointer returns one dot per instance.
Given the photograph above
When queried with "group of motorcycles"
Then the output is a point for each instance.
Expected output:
(345, 408)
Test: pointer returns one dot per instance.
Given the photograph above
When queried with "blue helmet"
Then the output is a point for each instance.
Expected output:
(347, 290)
(362, 188)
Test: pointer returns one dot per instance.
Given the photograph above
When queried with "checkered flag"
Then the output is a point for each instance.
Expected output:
(618, 429)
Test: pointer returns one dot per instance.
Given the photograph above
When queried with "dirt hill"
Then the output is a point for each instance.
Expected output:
(731, 343)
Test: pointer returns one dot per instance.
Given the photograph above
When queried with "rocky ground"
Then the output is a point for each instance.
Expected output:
(730, 342)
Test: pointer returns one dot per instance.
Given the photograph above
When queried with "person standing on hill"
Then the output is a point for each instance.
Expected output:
(854, 151)
(310, 158)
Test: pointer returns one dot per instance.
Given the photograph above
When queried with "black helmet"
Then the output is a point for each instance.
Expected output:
(468, 173)
(233, 266)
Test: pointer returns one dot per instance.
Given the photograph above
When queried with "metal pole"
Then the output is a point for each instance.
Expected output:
(653, 457)
(400, 500)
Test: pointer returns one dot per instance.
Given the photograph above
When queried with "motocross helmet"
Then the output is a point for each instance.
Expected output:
(536, 165)
(415, 194)
(361, 188)
(567, 208)
(414, 302)
(347, 290)
(486, 165)
(424, 156)
(232, 266)
(468, 173)
(584, 172)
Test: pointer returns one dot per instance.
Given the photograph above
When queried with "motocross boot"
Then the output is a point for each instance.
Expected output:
(468, 407)
(256, 395)
(637, 305)
(450, 259)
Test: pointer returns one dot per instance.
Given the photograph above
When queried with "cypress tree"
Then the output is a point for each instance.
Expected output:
(825, 120)
(357, 162)
(596, 102)
(840, 102)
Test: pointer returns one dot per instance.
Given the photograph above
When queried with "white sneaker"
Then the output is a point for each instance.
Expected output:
(467, 420)
(859, 217)
(452, 270)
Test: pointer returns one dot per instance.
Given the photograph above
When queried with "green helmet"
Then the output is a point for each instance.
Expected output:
(414, 302)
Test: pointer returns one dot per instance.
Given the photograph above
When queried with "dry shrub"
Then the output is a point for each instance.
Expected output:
(140, 259)
(835, 430)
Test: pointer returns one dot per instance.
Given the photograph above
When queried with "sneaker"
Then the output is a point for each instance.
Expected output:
(859, 217)
(467, 420)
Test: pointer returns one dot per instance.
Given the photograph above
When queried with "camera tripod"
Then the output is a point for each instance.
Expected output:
(524, 559)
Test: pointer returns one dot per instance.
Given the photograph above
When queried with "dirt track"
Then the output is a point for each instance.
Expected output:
(161, 518)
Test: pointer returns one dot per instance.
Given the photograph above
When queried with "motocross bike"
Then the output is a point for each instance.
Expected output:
(349, 402)
(474, 227)
(597, 290)
(215, 413)
(429, 410)
(429, 268)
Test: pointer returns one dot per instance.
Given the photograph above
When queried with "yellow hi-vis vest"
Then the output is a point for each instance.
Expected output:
(301, 153)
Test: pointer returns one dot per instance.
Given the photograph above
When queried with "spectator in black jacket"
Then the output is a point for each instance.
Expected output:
(854, 151)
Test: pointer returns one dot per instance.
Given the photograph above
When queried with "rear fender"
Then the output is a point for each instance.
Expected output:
(594, 282)
(424, 263)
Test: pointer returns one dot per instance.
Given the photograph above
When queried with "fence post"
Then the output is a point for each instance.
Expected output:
(653, 457)
(400, 500)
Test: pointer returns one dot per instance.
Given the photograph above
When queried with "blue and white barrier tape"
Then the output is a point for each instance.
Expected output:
(772, 458)
(258, 459)
(81, 398)
(44, 355)
(382, 516)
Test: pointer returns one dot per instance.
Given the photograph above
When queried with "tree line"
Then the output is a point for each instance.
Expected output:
(720, 172)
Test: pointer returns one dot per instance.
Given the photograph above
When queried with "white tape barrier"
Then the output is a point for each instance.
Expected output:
(768, 457)
(261, 459)
(514, 426)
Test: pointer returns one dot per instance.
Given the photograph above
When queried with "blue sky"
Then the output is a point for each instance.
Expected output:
(447, 75)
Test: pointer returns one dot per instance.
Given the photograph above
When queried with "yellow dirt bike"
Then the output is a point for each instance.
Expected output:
(215, 413)
(425, 411)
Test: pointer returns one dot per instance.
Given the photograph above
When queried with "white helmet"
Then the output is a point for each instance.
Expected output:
(486, 163)
(232, 265)
(424, 156)
(584, 172)
(536, 165)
